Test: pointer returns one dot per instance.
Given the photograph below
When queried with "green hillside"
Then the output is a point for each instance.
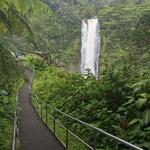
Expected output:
(48, 33)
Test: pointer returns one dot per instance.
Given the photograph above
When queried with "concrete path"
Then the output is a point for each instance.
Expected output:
(33, 133)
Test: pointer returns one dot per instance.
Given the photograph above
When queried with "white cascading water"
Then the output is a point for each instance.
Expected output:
(90, 49)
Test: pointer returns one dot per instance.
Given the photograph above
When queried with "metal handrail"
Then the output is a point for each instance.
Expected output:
(95, 129)
(31, 80)
(14, 143)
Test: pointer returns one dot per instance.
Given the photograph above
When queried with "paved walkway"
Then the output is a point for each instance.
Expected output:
(33, 133)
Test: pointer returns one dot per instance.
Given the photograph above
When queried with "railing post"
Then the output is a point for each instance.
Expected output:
(95, 140)
(36, 105)
(41, 110)
(67, 142)
(54, 121)
(14, 143)
(46, 113)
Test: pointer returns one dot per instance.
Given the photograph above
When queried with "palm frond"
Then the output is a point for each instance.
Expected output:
(5, 20)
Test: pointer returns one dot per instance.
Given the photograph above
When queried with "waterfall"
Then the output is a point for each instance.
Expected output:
(90, 49)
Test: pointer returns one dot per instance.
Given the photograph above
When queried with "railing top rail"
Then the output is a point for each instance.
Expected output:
(99, 130)
(96, 129)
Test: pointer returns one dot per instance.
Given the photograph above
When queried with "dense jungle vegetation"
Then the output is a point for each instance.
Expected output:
(48, 32)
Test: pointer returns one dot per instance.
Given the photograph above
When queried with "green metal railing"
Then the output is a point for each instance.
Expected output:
(43, 109)
(15, 129)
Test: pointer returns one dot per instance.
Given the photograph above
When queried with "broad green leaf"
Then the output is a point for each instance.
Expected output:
(146, 145)
(119, 130)
(3, 93)
(141, 102)
(133, 121)
(144, 95)
(129, 101)
(147, 129)
(146, 116)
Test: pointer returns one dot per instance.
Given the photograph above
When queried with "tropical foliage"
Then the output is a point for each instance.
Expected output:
(13, 26)
(112, 103)
(49, 30)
